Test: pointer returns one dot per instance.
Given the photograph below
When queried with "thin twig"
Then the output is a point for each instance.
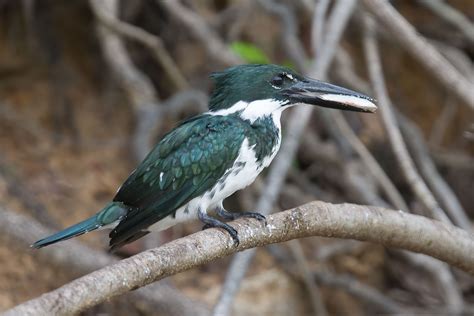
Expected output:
(317, 26)
(421, 50)
(442, 122)
(359, 290)
(452, 16)
(135, 83)
(17, 188)
(151, 41)
(198, 28)
(344, 71)
(337, 247)
(441, 189)
(336, 25)
(343, 282)
(448, 285)
(292, 44)
(371, 164)
(302, 264)
(190, 98)
(389, 228)
(406, 164)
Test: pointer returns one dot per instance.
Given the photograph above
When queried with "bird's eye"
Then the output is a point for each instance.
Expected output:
(277, 81)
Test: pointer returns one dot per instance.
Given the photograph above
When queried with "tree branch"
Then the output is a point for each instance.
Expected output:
(452, 16)
(198, 28)
(441, 189)
(78, 258)
(421, 50)
(137, 85)
(367, 223)
(151, 41)
(394, 135)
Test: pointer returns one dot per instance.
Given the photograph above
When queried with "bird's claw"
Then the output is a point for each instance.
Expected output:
(232, 232)
(210, 222)
(257, 216)
(233, 216)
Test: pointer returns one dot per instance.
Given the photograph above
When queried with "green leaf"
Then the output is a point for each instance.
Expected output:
(289, 64)
(250, 53)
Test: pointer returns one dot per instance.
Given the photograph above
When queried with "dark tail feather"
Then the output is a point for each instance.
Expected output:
(108, 215)
(70, 232)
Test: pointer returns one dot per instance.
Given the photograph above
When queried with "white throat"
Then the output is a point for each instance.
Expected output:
(254, 110)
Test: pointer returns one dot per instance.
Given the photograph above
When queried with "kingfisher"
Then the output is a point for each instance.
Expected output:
(210, 156)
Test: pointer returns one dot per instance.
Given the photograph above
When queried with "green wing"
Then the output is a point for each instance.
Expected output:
(183, 165)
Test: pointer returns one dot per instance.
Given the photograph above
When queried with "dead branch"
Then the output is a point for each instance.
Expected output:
(360, 291)
(343, 282)
(198, 28)
(421, 50)
(452, 16)
(317, 25)
(370, 163)
(367, 223)
(406, 164)
(441, 124)
(302, 265)
(441, 189)
(134, 82)
(80, 259)
(447, 283)
(289, 33)
(151, 41)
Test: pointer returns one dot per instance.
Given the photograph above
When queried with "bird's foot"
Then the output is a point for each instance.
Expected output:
(210, 222)
(232, 216)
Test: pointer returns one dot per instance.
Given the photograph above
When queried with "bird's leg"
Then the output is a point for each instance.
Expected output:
(210, 222)
(222, 212)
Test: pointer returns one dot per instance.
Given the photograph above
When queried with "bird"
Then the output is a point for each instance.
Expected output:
(208, 157)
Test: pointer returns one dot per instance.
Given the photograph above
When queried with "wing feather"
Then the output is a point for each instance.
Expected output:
(186, 163)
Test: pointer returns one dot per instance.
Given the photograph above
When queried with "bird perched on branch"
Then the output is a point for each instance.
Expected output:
(208, 157)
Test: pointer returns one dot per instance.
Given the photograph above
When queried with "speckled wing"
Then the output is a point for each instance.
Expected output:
(186, 163)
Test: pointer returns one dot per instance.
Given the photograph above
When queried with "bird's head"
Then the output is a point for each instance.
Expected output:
(263, 89)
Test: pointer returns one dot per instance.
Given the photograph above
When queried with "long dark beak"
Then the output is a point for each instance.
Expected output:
(327, 95)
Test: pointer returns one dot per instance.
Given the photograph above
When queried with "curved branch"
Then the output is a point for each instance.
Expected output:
(367, 223)
(80, 259)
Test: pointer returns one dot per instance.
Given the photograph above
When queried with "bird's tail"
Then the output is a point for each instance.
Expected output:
(111, 213)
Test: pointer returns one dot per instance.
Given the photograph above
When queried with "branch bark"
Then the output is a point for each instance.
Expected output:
(367, 223)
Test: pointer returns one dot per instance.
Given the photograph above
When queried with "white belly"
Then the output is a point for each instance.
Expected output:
(240, 175)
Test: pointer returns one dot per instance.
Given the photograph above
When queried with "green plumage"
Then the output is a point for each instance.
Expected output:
(185, 164)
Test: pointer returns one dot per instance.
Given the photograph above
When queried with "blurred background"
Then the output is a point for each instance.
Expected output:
(86, 88)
